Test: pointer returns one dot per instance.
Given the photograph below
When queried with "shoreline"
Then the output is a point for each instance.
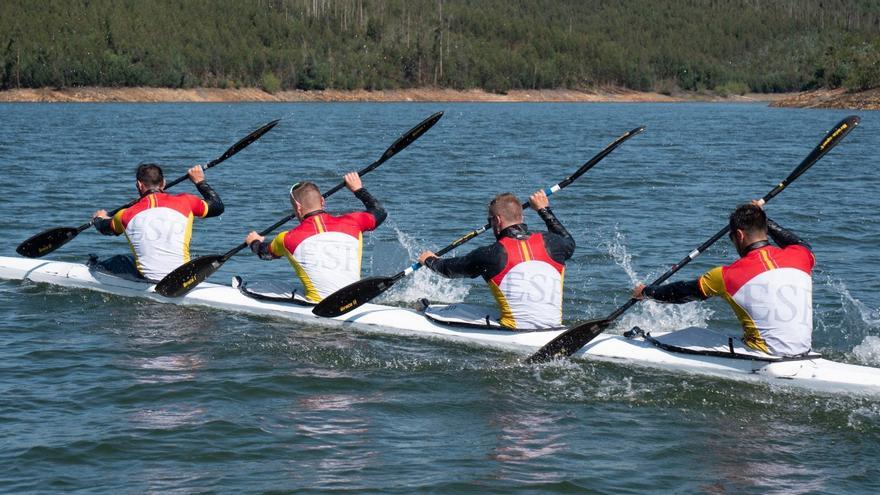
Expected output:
(820, 98)
(217, 95)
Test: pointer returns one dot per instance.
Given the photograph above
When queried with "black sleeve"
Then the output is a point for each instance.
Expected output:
(105, 226)
(215, 204)
(560, 244)
(783, 237)
(261, 249)
(485, 261)
(676, 292)
(371, 205)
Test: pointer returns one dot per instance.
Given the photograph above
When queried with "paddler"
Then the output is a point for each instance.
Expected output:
(159, 226)
(524, 269)
(769, 288)
(325, 250)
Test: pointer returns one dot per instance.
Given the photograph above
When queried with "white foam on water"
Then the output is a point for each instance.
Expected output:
(424, 282)
(651, 315)
(852, 321)
(868, 352)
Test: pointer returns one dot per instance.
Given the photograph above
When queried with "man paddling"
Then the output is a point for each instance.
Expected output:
(159, 226)
(325, 250)
(770, 289)
(524, 269)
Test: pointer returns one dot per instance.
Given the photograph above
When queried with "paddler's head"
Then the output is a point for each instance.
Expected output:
(305, 197)
(504, 210)
(149, 179)
(748, 225)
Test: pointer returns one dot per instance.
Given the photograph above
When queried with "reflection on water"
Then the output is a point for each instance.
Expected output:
(336, 438)
(175, 368)
(168, 418)
(763, 456)
(527, 436)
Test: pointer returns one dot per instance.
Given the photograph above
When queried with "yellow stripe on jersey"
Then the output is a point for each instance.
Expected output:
(116, 223)
(319, 225)
(768, 262)
(311, 292)
(712, 283)
(526, 252)
(187, 237)
(277, 247)
(506, 318)
(137, 261)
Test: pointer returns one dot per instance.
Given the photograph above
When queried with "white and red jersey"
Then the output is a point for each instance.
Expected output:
(525, 272)
(771, 291)
(325, 250)
(528, 290)
(159, 229)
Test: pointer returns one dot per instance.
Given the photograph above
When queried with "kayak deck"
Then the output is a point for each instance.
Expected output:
(817, 374)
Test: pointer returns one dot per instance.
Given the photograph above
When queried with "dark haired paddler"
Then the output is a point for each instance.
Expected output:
(159, 226)
(524, 269)
(324, 250)
(770, 289)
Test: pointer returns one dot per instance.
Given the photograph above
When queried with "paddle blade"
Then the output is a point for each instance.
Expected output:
(569, 341)
(47, 241)
(410, 136)
(352, 296)
(244, 142)
(187, 276)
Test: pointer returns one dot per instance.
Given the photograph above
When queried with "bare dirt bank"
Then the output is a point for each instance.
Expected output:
(134, 95)
(832, 98)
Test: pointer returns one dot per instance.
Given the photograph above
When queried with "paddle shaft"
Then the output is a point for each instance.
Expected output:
(358, 293)
(397, 146)
(71, 233)
(548, 191)
(232, 252)
(187, 276)
(235, 148)
(592, 329)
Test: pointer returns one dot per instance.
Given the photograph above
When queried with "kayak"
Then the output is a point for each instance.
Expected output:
(693, 350)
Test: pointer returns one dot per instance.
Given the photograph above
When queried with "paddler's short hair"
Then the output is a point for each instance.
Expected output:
(506, 206)
(150, 175)
(749, 218)
(306, 194)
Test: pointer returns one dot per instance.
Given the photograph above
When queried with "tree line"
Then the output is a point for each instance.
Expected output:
(497, 45)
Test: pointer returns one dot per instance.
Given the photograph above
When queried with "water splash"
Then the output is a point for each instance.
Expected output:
(852, 323)
(424, 282)
(651, 315)
(868, 352)
(616, 248)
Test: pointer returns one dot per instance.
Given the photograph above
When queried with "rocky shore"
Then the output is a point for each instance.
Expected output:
(133, 95)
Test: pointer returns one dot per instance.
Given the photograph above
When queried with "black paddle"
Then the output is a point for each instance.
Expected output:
(47, 241)
(568, 342)
(363, 291)
(187, 276)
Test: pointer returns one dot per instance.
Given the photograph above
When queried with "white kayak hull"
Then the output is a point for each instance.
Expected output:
(816, 374)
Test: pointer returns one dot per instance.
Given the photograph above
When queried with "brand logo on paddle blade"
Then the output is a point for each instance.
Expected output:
(349, 305)
(831, 137)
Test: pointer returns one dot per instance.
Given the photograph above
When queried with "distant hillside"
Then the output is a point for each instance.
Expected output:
(728, 46)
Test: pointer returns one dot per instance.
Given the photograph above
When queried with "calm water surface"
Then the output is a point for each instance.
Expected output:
(103, 394)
